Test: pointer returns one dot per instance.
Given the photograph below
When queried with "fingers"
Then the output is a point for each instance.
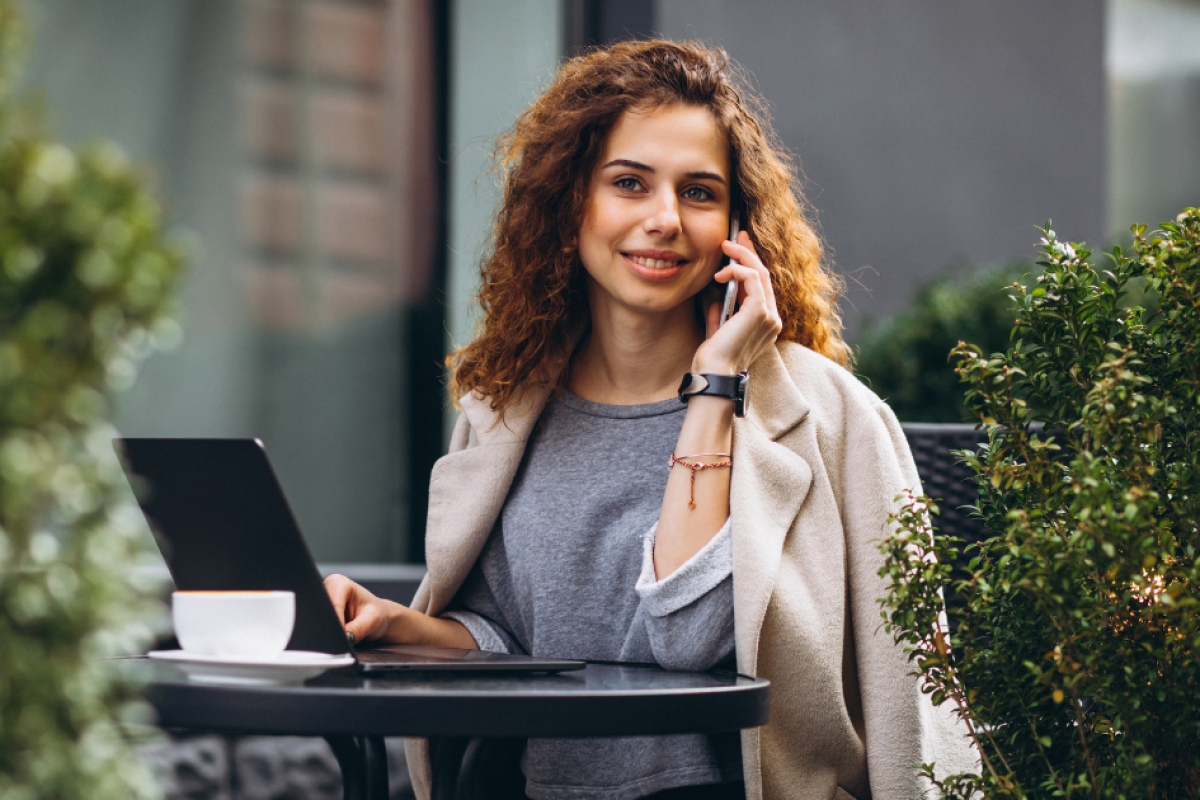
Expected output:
(746, 256)
(367, 625)
(755, 325)
(358, 610)
(338, 589)
(754, 284)
(742, 251)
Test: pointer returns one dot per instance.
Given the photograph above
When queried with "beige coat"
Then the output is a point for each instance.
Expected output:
(817, 464)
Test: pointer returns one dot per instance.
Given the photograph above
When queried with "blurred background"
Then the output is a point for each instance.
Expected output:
(331, 158)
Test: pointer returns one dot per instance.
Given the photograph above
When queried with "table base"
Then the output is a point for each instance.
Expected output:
(363, 760)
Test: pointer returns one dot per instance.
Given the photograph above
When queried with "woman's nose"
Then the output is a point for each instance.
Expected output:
(664, 217)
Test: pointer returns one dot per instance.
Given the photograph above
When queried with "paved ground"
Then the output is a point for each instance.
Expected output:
(210, 767)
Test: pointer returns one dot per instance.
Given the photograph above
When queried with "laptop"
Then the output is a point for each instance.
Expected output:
(223, 524)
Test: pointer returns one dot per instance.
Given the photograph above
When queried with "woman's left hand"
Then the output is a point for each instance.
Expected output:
(753, 328)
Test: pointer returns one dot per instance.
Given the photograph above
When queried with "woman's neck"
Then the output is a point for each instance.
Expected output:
(629, 358)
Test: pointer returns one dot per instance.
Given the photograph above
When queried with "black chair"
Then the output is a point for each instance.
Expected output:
(948, 482)
(950, 485)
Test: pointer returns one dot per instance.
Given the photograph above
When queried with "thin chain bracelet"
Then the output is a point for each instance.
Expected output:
(673, 459)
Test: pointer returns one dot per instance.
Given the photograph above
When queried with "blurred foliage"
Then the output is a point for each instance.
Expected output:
(85, 276)
(1076, 657)
(905, 358)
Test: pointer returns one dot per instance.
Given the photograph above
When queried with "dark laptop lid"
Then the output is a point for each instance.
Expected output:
(222, 523)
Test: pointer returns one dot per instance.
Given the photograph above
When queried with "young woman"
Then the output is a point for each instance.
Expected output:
(585, 512)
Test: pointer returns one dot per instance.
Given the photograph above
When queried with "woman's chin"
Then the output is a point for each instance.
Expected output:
(677, 303)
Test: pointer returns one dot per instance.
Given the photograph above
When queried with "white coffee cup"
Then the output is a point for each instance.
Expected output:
(234, 624)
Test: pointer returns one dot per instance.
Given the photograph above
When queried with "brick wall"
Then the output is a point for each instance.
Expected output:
(338, 193)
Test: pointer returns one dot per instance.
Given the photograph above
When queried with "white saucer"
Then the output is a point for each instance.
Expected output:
(289, 667)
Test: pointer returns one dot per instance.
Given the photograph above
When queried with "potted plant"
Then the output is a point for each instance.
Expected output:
(1075, 656)
(85, 277)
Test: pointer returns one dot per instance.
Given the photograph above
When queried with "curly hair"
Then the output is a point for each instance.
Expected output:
(533, 292)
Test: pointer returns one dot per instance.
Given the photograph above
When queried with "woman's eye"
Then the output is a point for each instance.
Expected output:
(627, 184)
(697, 193)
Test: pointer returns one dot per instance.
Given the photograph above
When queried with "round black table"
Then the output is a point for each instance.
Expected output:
(354, 711)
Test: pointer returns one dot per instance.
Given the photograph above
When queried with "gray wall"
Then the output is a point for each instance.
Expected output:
(933, 134)
(1154, 110)
(501, 56)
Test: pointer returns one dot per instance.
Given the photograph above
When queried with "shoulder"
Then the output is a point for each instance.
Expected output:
(852, 427)
(480, 424)
(827, 385)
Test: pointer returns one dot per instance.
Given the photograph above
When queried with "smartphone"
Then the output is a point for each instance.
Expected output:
(731, 288)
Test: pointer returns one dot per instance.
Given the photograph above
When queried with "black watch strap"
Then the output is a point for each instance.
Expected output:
(730, 386)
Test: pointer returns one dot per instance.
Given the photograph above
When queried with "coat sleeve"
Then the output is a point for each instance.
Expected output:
(902, 727)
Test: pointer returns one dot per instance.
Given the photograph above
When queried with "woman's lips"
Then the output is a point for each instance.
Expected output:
(655, 269)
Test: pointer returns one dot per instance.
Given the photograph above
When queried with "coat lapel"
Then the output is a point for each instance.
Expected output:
(768, 486)
(467, 490)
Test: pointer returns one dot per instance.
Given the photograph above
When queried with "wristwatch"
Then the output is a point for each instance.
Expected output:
(734, 387)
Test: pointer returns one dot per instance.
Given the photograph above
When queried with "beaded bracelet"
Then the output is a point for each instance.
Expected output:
(673, 459)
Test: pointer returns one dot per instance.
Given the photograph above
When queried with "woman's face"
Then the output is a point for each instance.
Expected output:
(657, 210)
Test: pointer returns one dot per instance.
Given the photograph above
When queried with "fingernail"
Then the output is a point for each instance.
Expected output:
(350, 638)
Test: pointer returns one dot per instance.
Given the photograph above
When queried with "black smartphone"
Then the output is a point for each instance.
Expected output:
(731, 288)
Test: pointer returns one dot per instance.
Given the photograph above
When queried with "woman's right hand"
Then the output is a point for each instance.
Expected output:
(363, 615)
(754, 327)
(373, 619)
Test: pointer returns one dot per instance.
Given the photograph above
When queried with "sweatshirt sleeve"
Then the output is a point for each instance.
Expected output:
(484, 632)
(689, 614)
(475, 607)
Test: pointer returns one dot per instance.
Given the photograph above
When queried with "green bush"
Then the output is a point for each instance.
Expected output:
(1076, 657)
(904, 359)
(85, 273)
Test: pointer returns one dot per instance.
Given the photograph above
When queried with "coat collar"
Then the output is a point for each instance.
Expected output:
(776, 403)
(490, 428)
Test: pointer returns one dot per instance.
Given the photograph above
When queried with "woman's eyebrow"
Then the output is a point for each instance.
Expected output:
(625, 162)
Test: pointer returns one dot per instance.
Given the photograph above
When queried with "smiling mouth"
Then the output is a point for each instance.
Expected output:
(654, 263)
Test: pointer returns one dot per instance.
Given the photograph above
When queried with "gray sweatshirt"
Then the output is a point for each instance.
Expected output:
(568, 572)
